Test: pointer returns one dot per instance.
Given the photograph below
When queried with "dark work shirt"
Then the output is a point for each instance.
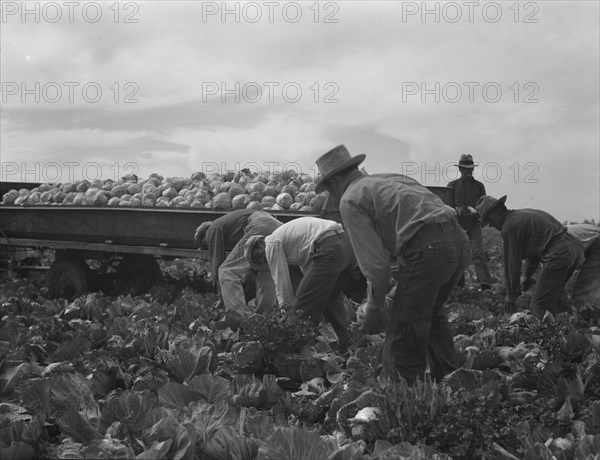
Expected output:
(381, 213)
(526, 234)
(466, 194)
(222, 236)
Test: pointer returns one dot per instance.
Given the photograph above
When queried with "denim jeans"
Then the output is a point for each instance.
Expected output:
(478, 256)
(586, 289)
(320, 291)
(558, 264)
(434, 262)
(235, 267)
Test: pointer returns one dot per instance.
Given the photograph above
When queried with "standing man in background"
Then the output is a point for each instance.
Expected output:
(467, 191)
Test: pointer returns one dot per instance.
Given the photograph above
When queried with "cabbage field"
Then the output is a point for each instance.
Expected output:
(167, 375)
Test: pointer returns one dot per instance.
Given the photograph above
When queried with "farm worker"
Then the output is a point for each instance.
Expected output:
(586, 289)
(322, 250)
(467, 191)
(392, 214)
(535, 236)
(230, 233)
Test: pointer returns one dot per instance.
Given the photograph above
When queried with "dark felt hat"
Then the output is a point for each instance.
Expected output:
(466, 161)
(487, 204)
(333, 162)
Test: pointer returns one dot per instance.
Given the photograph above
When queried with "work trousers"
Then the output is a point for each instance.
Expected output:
(235, 267)
(586, 289)
(434, 262)
(563, 255)
(319, 294)
(477, 256)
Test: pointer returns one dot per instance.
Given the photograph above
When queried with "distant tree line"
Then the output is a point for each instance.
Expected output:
(586, 221)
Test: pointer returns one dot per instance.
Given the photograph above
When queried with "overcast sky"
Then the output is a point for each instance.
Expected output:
(102, 89)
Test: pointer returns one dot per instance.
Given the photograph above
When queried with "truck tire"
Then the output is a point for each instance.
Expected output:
(139, 272)
(69, 278)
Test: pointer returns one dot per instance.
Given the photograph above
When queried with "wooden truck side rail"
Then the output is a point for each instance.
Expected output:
(168, 230)
(92, 250)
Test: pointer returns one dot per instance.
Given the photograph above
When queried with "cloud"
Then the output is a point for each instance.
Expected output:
(362, 63)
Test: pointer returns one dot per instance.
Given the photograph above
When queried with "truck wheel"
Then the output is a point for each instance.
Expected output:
(69, 278)
(139, 272)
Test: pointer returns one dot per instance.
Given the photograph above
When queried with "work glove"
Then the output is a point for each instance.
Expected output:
(463, 211)
(371, 318)
(525, 284)
(473, 213)
(197, 237)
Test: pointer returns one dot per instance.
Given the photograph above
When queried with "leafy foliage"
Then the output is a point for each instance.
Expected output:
(175, 395)
(161, 375)
(294, 444)
(211, 388)
(190, 358)
(130, 410)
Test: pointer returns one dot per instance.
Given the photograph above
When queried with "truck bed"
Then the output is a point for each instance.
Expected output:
(161, 227)
(166, 231)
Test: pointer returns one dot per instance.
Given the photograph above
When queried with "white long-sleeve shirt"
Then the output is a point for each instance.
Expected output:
(292, 244)
(587, 234)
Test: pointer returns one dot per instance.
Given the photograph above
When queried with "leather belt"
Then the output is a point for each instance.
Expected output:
(447, 226)
(328, 233)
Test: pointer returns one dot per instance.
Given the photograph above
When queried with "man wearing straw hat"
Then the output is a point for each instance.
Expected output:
(392, 214)
(535, 236)
(467, 191)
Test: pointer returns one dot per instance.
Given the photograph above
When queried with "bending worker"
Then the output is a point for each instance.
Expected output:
(586, 289)
(322, 250)
(392, 214)
(230, 233)
(535, 236)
